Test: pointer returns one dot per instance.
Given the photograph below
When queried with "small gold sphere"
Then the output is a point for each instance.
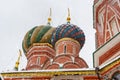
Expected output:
(49, 19)
(68, 19)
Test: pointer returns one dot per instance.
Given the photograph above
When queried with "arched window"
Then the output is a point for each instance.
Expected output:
(38, 60)
(65, 49)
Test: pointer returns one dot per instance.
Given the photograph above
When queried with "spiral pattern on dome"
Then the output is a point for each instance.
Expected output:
(38, 34)
(68, 31)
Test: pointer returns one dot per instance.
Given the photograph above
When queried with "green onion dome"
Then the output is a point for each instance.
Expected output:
(68, 31)
(38, 34)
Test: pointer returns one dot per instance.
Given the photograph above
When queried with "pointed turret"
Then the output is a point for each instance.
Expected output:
(18, 61)
(49, 18)
(68, 18)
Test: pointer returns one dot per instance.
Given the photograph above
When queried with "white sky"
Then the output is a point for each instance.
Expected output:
(19, 16)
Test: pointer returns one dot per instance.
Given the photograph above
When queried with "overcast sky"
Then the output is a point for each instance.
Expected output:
(19, 16)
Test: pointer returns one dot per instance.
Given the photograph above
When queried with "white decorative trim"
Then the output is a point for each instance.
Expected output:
(95, 7)
(105, 48)
(31, 50)
(57, 70)
(116, 58)
(39, 56)
(111, 22)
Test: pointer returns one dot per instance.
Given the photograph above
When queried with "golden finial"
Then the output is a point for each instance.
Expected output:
(49, 18)
(68, 18)
(17, 62)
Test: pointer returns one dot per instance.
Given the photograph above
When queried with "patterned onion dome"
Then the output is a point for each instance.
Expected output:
(70, 31)
(38, 34)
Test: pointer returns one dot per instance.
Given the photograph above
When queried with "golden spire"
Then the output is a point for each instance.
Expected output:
(49, 18)
(68, 18)
(17, 62)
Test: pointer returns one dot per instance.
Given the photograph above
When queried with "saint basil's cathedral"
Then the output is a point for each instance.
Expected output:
(53, 52)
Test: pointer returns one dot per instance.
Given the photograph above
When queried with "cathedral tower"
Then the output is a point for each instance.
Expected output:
(54, 48)
(107, 25)
(37, 47)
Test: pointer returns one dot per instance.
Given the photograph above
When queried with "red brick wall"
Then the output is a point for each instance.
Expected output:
(106, 20)
(38, 55)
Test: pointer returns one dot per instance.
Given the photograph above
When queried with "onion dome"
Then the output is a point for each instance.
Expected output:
(38, 34)
(68, 30)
